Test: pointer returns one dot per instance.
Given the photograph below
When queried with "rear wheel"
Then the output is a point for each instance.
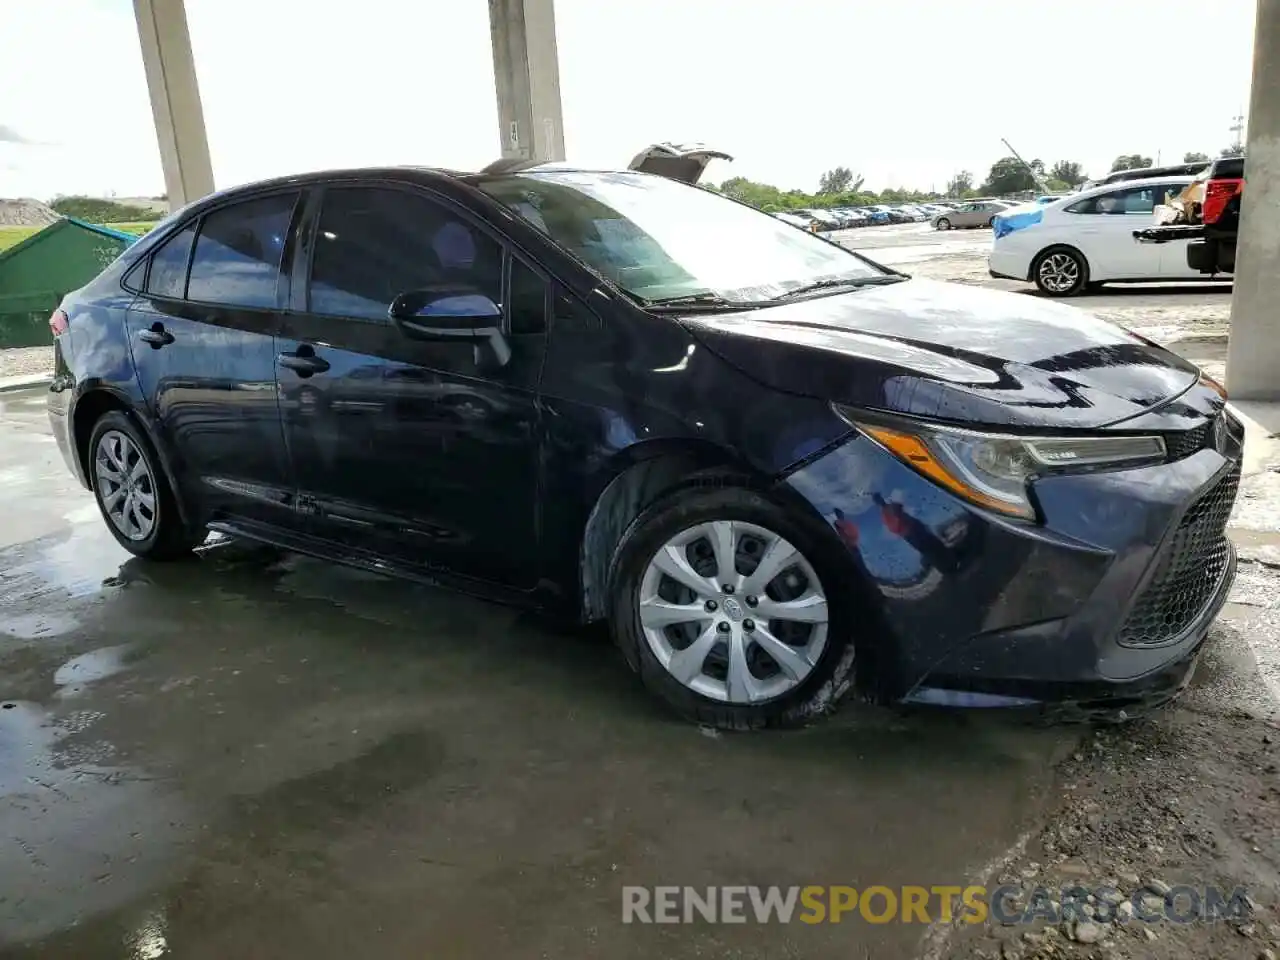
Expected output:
(1060, 272)
(133, 493)
(731, 611)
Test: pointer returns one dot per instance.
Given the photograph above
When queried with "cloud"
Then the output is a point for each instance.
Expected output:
(10, 135)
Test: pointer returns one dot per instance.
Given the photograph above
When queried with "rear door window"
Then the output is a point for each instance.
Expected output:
(237, 255)
(1137, 200)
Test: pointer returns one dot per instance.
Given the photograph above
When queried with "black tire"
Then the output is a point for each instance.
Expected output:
(1055, 290)
(943, 223)
(991, 223)
(170, 538)
(820, 692)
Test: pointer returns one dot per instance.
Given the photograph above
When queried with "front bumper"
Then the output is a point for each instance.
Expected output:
(1107, 601)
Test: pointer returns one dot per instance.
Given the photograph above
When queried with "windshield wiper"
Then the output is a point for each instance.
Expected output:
(854, 282)
(698, 301)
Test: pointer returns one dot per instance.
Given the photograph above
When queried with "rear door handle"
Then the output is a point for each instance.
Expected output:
(156, 335)
(304, 364)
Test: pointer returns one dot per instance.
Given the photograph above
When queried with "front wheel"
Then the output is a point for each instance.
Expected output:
(944, 224)
(731, 610)
(1060, 273)
(133, 493)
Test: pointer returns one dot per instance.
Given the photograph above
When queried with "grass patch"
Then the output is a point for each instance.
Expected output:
(137, 227)
(12, 236)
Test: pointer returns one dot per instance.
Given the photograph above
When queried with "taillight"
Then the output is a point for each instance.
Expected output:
(58, 322)
(1217, 193)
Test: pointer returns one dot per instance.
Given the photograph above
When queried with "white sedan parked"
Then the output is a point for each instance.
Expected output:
(1086, 239)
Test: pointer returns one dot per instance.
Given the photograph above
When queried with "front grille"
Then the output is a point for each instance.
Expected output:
(1189, 572)
(1187, 442)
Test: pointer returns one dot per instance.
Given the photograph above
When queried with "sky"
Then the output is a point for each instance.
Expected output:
(905, 93)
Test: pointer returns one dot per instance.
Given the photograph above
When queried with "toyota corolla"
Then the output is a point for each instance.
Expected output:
(777, 469)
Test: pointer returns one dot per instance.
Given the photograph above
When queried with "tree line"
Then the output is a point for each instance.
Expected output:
(97, 210)
(840, 187)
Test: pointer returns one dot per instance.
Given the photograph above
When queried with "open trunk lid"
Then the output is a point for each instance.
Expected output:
(685, 162)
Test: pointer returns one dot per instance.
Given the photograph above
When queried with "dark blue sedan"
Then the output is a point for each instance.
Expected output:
(776, 468)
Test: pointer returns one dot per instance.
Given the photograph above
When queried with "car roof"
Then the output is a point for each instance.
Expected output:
(439, 177)
(1150, 173)
(1118, 185)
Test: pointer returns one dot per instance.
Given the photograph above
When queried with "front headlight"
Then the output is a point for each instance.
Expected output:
(991, 469)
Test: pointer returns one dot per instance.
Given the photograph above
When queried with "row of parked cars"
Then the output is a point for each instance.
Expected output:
(844, 218)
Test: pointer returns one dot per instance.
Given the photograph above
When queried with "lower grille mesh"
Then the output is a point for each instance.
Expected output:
(1189, 572)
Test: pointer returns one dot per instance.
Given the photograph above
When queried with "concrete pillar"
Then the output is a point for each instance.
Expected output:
(526, 71)
(1253, 355)
(175, 99)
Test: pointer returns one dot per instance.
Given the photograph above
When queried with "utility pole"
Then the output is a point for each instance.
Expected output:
(1039, 181)
(1237, 128)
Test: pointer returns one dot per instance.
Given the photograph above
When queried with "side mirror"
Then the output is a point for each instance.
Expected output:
(451, 312)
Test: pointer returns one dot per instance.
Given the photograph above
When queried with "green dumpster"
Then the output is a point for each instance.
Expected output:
(36, 274)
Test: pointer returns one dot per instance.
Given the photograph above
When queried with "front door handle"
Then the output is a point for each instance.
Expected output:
(304, 364)
(156, 335)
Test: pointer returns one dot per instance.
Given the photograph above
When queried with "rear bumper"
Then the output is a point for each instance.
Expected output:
(1009, 264)
(1212, 255)
(59, 405)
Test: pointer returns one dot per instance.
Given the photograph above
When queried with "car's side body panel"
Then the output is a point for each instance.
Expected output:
(366, 456)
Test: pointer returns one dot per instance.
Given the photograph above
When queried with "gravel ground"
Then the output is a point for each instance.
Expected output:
(1185, 797)
(20, 361)
(1190, 794)
(1182, 798)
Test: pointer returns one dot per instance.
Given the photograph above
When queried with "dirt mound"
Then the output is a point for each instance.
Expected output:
(25, 213)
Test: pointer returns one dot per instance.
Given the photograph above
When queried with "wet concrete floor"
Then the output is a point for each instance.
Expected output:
(253, 754)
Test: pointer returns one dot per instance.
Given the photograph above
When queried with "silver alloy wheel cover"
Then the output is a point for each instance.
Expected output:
(686, 665)
(943, 224)
(125, 485)
(1059, 272)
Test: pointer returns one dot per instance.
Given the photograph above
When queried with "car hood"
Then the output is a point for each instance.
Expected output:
(950, 352)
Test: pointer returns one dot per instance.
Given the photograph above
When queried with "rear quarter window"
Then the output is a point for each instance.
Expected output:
(167, 276)
(237, 255)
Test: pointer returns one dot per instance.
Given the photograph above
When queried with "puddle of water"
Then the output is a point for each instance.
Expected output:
(37, 626)
(1258, 504)
(38, 577)
(88, 513)
(1255, 587)
(79, 837)
(1241, 667)
(81, 563)
(73, 676)
(149, 939)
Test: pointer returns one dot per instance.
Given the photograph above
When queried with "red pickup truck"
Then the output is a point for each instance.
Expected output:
(1209, 217)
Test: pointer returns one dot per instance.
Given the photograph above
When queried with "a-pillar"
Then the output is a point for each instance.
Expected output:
(1253, 355)
(526, 72)
(175, 99)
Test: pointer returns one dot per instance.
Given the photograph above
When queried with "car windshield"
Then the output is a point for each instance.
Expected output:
(662, 240)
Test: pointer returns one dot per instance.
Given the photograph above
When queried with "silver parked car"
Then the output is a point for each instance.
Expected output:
(977, 213)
